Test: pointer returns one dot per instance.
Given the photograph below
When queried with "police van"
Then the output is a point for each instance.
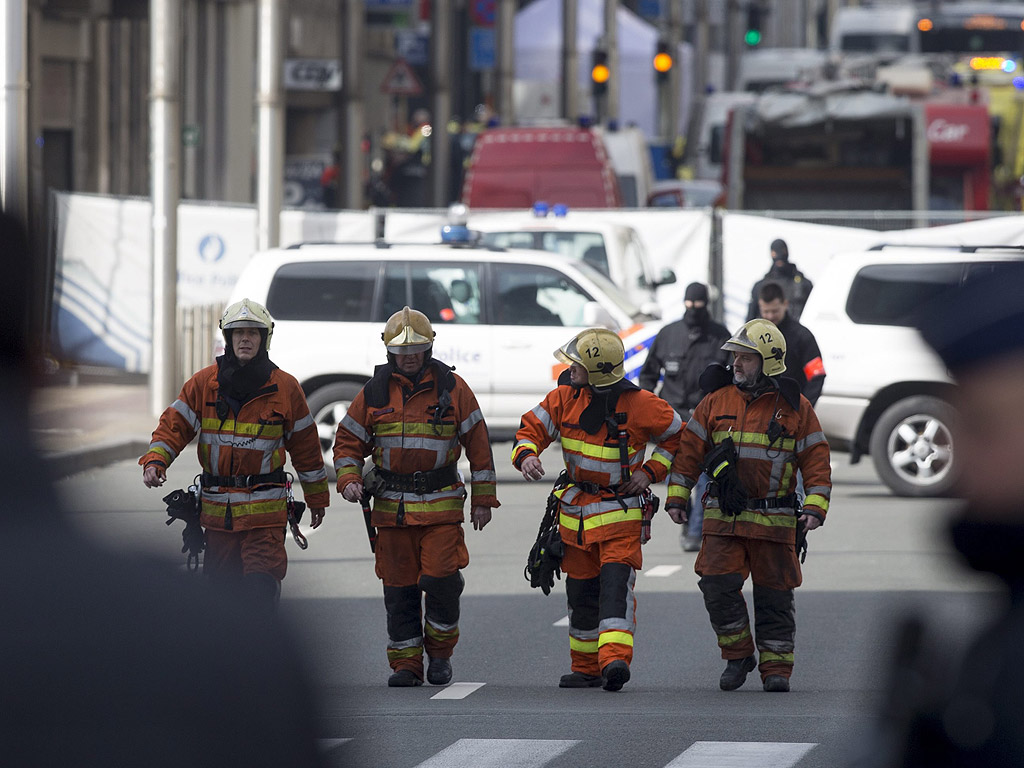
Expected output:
(498, 315)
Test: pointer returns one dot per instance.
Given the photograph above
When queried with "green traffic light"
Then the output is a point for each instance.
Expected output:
(752, 37)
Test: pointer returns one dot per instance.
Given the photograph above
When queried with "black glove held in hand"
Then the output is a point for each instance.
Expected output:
(721, 465)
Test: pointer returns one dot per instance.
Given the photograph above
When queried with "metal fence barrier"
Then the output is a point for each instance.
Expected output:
(197, 335)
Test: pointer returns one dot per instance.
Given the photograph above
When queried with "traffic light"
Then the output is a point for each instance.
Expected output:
(755, 17)
(599, 71)
(662, 62)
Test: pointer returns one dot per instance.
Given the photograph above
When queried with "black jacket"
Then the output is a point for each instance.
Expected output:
(795, 284)
(803, 358)
(683, 352)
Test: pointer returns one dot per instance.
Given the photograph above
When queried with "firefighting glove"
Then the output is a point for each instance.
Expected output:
(545, 560)
(722, 466)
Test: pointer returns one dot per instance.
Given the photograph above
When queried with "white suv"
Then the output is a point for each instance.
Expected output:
(886, 393)
(498, 316)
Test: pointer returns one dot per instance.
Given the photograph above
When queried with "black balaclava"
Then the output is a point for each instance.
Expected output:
(696, 317)
(781, 251)
(240, 382)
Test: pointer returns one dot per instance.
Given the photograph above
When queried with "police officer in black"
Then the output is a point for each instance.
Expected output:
(803, 357)
(796, 285)
(681, 351)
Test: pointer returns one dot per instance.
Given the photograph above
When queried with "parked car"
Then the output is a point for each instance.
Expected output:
(886, 394)
(499, 314)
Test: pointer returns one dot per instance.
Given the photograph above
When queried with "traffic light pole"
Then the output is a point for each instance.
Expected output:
(570, 62)
(611, 41)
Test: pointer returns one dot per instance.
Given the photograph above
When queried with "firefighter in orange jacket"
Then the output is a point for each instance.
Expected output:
(414, 416)
(247, 413)
(604, 423)
(751, 433)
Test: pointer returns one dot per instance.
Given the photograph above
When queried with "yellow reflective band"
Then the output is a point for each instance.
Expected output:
(749, 516)
(665, 461)
(350, 469)
(414, 428)
(572, 522)
(754, 438)
(162, 451)
(446, 504)
(484, 489)
(816, 500)
(269, 431)
(438, 634)
(405, 653)
(239, 509)
(764, 656)
(724, 640)
(583, 646)
(678, 492)
(622, 638)
(719, 468)
(593, 451)
(308, 489)
(520, 446)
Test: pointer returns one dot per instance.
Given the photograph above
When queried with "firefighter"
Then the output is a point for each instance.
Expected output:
(247, 413)
(751, 433)
(604, 423)
(415, 416)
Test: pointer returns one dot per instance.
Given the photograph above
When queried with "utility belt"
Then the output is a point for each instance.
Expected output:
(421, 482)
(277, 477)
(778, 502)
(596, 490)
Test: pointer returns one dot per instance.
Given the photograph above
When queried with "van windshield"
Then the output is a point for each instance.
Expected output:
(582, 246)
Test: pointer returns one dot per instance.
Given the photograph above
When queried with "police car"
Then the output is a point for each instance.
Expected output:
(498, 315)
(886, 393)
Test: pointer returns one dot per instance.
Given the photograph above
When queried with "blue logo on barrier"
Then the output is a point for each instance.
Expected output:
(211, 248)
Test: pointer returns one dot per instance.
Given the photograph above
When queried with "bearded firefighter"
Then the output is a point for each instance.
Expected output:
(415, 416)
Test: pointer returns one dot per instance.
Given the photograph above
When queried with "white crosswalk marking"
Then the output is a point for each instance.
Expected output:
(499, 753)
(329, 745)
(457, 691)
(663, 570)
(741, 754)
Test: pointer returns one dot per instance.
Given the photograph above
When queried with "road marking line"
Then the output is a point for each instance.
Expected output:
(329, 745)
(562, 622)
(739, 754)
(499, 753)
(457, 691)
(663, 570)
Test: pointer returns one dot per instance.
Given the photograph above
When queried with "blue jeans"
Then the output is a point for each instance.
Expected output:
(696, 514)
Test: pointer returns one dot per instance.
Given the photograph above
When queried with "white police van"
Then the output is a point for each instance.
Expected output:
(498, 314)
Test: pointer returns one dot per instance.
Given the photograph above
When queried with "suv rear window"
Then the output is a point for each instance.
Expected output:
(323, 290)
(891, 294)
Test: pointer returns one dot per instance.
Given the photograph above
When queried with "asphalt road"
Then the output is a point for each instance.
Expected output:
(877, 559)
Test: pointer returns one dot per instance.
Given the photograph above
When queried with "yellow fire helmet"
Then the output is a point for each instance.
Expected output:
(598, 350)
(407, 332)
(246, 314)
(764, 337)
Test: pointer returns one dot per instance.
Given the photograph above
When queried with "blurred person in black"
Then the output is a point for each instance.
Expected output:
(968, 711)
(679, 354)
(108, 659)
(796, 284)
(803, 358)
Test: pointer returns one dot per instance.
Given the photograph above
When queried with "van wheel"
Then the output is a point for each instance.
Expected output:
(329, 404)
(912, 446)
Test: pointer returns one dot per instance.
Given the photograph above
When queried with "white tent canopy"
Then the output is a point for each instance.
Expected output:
(538, 52)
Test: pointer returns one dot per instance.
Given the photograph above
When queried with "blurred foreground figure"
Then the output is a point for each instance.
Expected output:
(110, 660)
(972, 713)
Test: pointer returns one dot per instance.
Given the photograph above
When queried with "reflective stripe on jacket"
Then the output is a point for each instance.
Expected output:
(275, 420)
(767, 469)
(596, 459)
(401, 438)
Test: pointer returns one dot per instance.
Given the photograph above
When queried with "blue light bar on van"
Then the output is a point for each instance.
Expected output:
(541, 209)
(560, 210)
(456, 234)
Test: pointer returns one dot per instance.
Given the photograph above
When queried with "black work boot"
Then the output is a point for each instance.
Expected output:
(579, 680)
(735, 674)
(439, 671)
(615, 675)
(403, 678)
(776, 684)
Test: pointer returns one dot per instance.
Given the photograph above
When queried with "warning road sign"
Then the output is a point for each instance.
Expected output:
(401, 80)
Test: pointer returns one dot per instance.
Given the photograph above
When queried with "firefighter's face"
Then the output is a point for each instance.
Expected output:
(410, 364)
(746, 366)
(246, 343)
(578, 375)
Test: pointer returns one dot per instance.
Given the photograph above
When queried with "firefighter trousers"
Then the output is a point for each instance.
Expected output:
(602, 605)
(723, 564)
(413, 562)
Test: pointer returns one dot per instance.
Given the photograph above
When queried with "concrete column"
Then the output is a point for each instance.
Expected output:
(570, 61)
(353, 118)
(505, 30)
(269, 103)
(441, 80)
(611, 39)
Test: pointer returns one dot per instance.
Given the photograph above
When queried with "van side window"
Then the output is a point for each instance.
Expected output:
(323, 290)
(445, 293)
(891, 294)
(528, 295)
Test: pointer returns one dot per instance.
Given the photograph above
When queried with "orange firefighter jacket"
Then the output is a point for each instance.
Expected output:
(594, 460)
(767, 467)
(403, 436)
(276, 419)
